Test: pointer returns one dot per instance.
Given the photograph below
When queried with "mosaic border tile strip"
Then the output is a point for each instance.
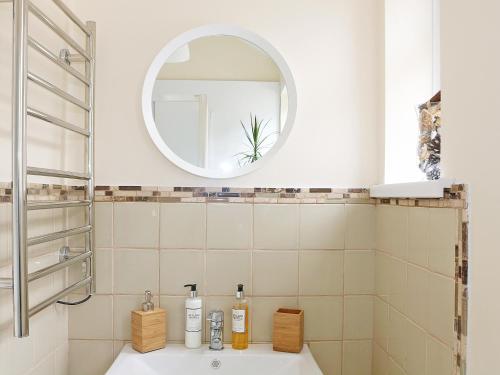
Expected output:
(42, 192)
(193, 194)
(230, 195)
(454, 197)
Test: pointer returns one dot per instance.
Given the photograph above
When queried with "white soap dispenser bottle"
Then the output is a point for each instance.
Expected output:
(193, 319)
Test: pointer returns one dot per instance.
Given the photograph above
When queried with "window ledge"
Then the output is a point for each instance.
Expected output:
(422, 189)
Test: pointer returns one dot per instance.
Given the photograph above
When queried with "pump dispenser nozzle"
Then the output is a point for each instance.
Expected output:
(239, 292)
(194, 292)
(148, 304)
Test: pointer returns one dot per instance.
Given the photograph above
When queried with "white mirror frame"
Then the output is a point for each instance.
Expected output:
(204, 31)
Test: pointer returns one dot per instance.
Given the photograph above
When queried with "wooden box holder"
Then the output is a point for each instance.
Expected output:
(148, 330)
(288, 330)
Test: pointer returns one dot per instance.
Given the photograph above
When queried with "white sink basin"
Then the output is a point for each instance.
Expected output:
(175, 359)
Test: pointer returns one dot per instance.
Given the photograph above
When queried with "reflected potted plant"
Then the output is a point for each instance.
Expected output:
(254, 134)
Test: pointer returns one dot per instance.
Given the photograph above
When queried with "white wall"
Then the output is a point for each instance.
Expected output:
(409, 63)
(334, 49)
(470, 40)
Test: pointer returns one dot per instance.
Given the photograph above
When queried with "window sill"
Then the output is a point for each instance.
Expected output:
(421, 189)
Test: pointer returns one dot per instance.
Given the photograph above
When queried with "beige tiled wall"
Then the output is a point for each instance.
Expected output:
(318, 257)
(45, 351)
(415, 290)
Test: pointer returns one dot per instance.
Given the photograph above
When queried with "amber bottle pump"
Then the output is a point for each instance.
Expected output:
(240, 320)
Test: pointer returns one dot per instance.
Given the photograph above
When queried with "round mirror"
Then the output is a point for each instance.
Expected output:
(218, 101)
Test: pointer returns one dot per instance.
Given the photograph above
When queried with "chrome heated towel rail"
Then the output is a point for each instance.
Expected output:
(21, 110)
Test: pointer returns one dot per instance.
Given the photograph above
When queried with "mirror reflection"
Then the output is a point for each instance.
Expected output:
(220, 102)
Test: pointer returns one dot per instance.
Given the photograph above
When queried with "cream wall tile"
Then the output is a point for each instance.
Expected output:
(123, 305)
(390, 280)
(328, 355)
(321, 272)
(117, 347)
(180, 267)
(397, 342)
(135, 271)
(175, 317)
(43, 328)
(76, 217)
(322, 226)
(92, 319)
(60, 327)
(398, 284)
(77, 271)
(99, 351)
(104, 271)
(439, 358)
(322, 317)
(357, 357)
(226, 269)
(360, 231)
(275, 273)
(441, 307)
(392, 230)
(61, 359)
(359, 272)
(5, 233)
(358, 317)
(263, 309)
(229, 226)
(276, 226)
(415, 355)
(6, 308)
(380, 322)
(226, 304)
(45, 367)
(395, 368)
(5, 355)
(443, 236)
(182, 225)
(418, 235)
(418, 295)
(136, 225)
(42, 222)
(380, 362)
(382, 277)
(103, 213)
(21, 357)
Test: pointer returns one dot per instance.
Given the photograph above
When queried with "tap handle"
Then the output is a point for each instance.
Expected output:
(216, 318)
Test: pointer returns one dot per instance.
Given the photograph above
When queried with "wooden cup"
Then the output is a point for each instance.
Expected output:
(288, 330)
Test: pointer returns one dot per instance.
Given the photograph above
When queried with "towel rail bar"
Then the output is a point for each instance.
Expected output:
(58, 235)
(7, 281)
(56, 121)
(45, 205)
(20, 206)
(48, 54)
(72, 16)
(57, 91)
(52, 25)
(35, 171)
(58, 266)
(56, 297)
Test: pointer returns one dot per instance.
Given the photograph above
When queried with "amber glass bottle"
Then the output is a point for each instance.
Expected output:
(240, 320)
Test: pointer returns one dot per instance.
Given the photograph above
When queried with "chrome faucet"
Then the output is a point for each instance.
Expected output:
(216, 319)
